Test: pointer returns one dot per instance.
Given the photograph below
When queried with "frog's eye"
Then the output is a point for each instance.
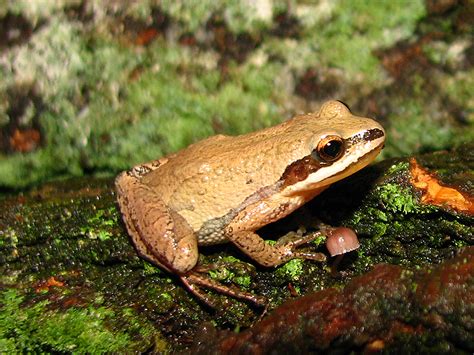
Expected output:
(329, 149)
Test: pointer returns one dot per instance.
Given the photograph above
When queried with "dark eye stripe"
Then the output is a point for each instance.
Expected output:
(300, 169)
(368, 136)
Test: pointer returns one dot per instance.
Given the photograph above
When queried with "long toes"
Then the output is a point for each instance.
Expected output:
(311, 256)
(194, 280)
(200, 294)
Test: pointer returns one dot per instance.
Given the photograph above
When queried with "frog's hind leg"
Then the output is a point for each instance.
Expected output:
(195, 279)
(159, 234)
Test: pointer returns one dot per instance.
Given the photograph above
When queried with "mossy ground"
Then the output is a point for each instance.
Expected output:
(39, 329)
(67, 263)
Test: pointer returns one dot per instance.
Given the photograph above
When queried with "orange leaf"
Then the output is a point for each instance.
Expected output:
(436, 194)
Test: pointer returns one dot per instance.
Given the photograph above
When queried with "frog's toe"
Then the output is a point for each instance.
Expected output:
(296, 239)
(288, 247)
(194, 280)
(310, 256)
(200, 294)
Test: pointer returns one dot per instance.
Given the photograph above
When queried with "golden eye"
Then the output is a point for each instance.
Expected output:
(329, 149)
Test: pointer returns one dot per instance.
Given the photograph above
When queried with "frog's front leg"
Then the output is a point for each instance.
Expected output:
(159, 234)
(241, 231)
(272, 255)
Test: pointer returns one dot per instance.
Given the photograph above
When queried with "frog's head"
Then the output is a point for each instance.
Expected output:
(339, 145)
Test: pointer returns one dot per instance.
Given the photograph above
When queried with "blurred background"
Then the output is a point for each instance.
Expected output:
(94, 87)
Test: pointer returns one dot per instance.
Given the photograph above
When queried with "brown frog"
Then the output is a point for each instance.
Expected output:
(224, 188)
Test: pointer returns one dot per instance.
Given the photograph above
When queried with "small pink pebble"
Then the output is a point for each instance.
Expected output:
(341, 240)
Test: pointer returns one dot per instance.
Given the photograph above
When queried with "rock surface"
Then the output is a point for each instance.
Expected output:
(390, 309)
(71, 280)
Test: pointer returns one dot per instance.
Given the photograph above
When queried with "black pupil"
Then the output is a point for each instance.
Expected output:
(332, 148)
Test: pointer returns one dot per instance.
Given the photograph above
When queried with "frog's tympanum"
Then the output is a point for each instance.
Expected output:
(225, 188)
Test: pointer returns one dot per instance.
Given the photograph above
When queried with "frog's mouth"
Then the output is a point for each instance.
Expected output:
(361, 149)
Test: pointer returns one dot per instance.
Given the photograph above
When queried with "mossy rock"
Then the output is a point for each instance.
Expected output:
(71, 279)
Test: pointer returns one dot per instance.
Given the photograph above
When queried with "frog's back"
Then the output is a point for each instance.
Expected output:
(209, 178)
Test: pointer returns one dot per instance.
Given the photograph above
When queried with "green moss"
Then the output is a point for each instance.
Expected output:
(9, 236)
(413, 129)
(99, 225)
(240, 15)
(59, 64)
(248, 16)
(38, 9)
(371, 19)
(319, 240)
(150, 269)
(397, 199)
(232, 270)
(243, 280)
(459, 89)
(221, 274)
(356, 28)
(364, 261)
(398, 168)
(159, 102)
(193, 14)
(291, 270)
(53, 60)
(36, 328)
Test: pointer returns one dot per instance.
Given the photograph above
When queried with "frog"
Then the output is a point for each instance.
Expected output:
(225, 188)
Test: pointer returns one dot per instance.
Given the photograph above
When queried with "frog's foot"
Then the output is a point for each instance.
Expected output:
(291, 241)
(272, 255)
(297, 239)
(194, 280)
